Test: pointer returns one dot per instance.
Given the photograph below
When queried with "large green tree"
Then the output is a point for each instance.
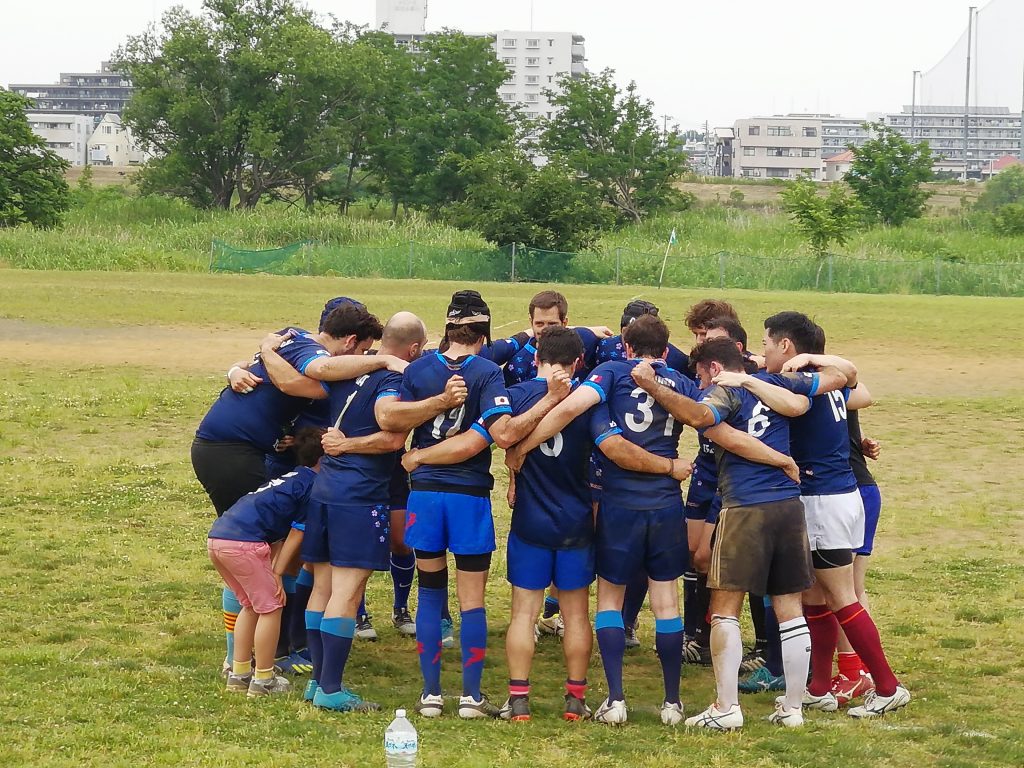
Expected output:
(611, 139)
(32, 186)
(1005, 188)
(887, 173)
(237, 101)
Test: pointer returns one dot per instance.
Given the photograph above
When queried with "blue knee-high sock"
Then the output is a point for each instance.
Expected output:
(636, 592)
(428, 636)
(550, 606)
(689, 600)
(284, 637)
(303, 589)
(473, 638)
(773, 650)
(403, 568)
(669, 643)
(336, 633)
(611, 639)
(230, 607)
(316, 644)
(361, 611)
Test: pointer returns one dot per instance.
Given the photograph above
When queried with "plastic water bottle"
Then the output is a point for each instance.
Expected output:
(400, 742)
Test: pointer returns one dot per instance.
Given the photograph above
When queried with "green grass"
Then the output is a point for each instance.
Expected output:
(112, 634)
(717, 247)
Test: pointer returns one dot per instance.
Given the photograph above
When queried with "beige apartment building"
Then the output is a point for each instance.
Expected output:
(781, 147)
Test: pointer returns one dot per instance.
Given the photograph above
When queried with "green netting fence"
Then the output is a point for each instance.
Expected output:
(623, 266)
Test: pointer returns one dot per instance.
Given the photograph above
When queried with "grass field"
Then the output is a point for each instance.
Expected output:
(112, 636)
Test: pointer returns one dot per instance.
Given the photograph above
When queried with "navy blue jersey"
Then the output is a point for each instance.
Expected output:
(262, 416)
(501, 350)
(523, 364)
(820, 442)
(358, 478)
(270, 511)
(704, 480)
(487, 401)
(553, 497)
(614, 349)
(644, 423)
(742, 482)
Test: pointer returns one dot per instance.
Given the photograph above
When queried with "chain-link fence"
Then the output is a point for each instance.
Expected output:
(623, 266)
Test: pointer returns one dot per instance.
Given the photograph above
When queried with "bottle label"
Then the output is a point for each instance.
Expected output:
(400, 744)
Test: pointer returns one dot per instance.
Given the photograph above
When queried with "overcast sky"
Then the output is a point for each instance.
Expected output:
(696, 60)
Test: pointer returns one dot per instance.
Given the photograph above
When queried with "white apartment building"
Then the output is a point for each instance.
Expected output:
(112, 144)
(839, 133)
(535, 62)
(402, 17)
(993, 133)
(780, 147)
(67, 135)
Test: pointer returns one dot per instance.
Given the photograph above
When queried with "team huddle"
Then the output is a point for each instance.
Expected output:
(307, 458)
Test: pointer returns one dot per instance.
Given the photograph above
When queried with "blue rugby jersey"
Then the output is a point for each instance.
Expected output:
(614, 349)
(501, 350)
(742, 482)
(553, 497)
(356, 478)
(523, 364)
(704, 480)
(643, 422)
(487, 401)
(820, 442)
(270, 511)
(261, 416)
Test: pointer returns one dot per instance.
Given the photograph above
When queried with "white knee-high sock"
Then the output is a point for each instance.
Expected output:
(726, 655)
(796, 658)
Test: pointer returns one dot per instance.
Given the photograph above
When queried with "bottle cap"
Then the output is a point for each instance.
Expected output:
(399, 713)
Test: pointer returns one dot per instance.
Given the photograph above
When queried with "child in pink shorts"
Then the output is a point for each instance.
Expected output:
(245, 546)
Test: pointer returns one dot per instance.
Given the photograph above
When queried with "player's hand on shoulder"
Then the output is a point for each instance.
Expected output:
(455, 392)
(681, 469)
(730, 379)
(796, 363)
(602, 331)
(394, 364)
(274, 340)
(559, 385)
(643, 375)
(333, 442)
(872, 448)
(242, 381)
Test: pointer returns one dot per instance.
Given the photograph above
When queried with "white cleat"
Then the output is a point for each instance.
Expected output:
(714, 719)
(611, 712)
(671, 713)
(876, 706)
(551, 625)
(788, 718)
(824, 703)
(430, 705)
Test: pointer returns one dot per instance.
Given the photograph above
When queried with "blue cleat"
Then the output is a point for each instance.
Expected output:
(311, 688)
(447, 633)
(343, 701)
(761, 680)
(293, 664)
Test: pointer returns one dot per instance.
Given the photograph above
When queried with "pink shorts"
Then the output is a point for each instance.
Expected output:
(246, 568)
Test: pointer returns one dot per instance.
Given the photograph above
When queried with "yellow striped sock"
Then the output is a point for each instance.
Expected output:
(229, 621)
(241, 667)
(265, 674)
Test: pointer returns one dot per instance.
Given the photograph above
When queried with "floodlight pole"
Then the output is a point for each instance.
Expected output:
(913, 106)
(967, 95)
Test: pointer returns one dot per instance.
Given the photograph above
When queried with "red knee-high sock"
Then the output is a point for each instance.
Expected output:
(824, 629)
(862, 633)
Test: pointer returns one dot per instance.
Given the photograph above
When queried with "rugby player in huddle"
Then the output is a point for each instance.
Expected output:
(793, 543)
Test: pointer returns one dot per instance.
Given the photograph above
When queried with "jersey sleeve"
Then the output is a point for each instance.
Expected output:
(389, 385)
(602, 381)
(501, 351)
(518, 399)
(494, 399)
(602, 426)
(802, 383)
(301, 351)
(723, 402)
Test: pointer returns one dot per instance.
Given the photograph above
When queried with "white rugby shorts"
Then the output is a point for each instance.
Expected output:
(835, 521)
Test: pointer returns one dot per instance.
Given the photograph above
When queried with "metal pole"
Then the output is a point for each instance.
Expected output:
(513, 262)
(913, 106)
(618, 266)
(967, 94)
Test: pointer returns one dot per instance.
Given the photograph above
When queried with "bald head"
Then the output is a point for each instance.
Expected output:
(404, 336)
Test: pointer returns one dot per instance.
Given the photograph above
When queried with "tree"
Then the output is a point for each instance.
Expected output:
(612, 141)
(32, 186)
(509, 200)
(1003, 189)
(886, 175)
(238, 101)
(823, 220)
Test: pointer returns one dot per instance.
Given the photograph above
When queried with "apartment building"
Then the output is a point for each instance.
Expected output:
(111, 143)
(780, 147)
(535, 62)
(80, 93)
(839, 133)
(67, 135)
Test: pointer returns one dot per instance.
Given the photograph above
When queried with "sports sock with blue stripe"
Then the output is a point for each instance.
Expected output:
(668, 641)
(336, 633)
(473, 638)
(611, 639)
